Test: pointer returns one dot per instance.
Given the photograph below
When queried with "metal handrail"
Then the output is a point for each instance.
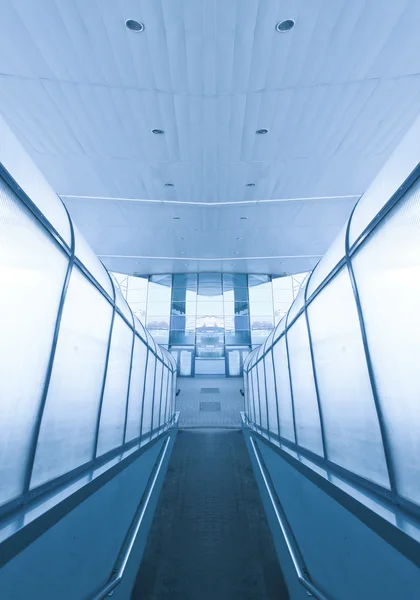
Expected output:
(122, 561)
(292, 546)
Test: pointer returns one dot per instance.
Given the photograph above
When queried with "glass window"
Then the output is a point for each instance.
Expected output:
(122, 304)
(155, 309)
(67, 434)
(111, 427)
(353, 438)
(185, 280)
(91, 261)
(138, 371)
(271, 393)
(234, 280)
(137, 290)
(157, 395)
(210, 283)
(263, 396)
(256, 397)
(284, 398)
(148, 393)
(32, 272)
(387, 271)
(158, 294)
(256, 280)
(209, 308)
(330, 259)
(164, 406)
(308, 427)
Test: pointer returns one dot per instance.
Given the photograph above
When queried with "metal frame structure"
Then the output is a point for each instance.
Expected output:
(346, 263)
(29, 493)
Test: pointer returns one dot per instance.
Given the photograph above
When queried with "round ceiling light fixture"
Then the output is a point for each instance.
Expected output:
(182, 252)
(286, 25)
(133, 25)
(244, 218)
(238, 238)
(169, 185)
(158, 131)
(176, 218)
(180, 238)
(236, 253)
(250, 185)
(261, 131)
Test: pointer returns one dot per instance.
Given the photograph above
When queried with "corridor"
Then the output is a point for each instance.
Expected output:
(210, 537)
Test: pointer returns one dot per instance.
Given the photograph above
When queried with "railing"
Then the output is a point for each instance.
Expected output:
(125, 553)
(292, 546)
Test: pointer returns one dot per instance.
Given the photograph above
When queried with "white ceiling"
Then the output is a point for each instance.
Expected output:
(336, 94)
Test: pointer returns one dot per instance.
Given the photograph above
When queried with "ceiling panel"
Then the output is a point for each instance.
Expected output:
(336, 93)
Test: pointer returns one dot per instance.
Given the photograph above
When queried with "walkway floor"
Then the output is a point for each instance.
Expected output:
(210, 539)
(210, 402)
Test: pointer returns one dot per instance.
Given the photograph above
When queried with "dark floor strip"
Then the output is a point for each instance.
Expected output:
(210, 538)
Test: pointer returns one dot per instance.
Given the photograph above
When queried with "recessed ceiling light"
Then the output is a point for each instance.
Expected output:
(238, 238)
(236, 253)
(244, 218)
(261, 131)
(180, 238)
(182, 252)
(176, 218)
(250, 185)
(233, 264)
(158, 131)
(186, 264)
(134, 25)
(169, 185)
(286, 25)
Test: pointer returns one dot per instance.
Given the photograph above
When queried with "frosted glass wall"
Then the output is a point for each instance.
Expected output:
(72, 357)
(341, 369)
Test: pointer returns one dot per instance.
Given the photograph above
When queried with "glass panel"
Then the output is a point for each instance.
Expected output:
(308, 427)
(157, 395)
(91, 261)
(210, 283)
(66, 439)
(164, 405)
(111, 426)
(254, 280)
(158, 294)
(185, 363)
(297, 304)
(255, 393)
(330, 259)
(263, 397)
(157, 309)
(387, 271)
(137, 290)
(271, 393)
(234, 280)
(122, 304)
(32, 273)
(185, 280)
(234, 363)
(136, 390)
(148, 393)
(261, 293)
(353, 438)
(284, 398)
(209, 308)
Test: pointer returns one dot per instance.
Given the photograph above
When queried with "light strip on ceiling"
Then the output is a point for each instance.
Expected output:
(235, 258)
(212, 204)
